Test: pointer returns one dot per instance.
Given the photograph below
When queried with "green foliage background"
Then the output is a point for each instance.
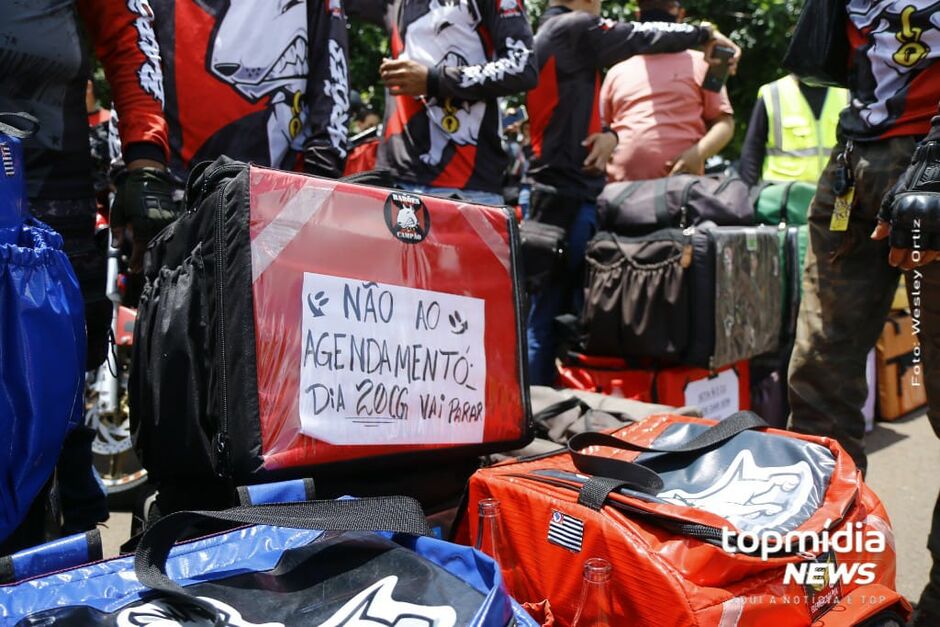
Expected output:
(761, 28)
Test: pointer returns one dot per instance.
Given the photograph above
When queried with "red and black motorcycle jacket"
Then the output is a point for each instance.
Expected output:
(477, 51)
(265, 82)
(44, 67)
(894, 69)
(572, 47)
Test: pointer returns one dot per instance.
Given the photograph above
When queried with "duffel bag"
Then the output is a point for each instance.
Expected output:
(784, 202)
(284, 569)
(697, 297)
(704, 524)
(684, 200)
(291, 322)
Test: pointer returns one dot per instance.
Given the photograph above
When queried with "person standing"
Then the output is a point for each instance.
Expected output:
(451, 61)
(666, 122)
(570, 145)
(791, 131)
(850, 277)
(44, 66)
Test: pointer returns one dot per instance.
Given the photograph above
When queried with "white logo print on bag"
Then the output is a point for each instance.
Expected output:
(751, 497)
(162, 614)
(375, 607)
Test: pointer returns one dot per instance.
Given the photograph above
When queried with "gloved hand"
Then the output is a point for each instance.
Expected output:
(144, 203)
(910, 211)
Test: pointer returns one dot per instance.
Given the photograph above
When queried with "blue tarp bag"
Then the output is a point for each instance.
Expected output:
(42, 344)
(317, 563)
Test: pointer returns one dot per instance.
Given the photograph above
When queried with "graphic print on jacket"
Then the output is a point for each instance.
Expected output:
(477, 51)
(446, 36)
(896, 44)
(276, 68)
(236, 76)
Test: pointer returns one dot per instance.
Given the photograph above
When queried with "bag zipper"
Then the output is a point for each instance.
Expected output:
(222, 448)
(699, 531)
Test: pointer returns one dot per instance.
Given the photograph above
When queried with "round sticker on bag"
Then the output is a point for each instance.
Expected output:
(407, 217)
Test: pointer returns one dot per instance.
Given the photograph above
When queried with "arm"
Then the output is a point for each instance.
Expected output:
(514, 68)
(755, 145)
(609, 42)
(327, 92)
(692, 161)
(910, 211)
(127, 47)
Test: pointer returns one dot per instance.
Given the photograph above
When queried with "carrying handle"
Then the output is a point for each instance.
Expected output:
(659, 236)
(20, 125)
(398, 514)
(610, 474)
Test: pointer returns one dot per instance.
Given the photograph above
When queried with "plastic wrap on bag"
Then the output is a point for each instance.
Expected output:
(384, 321)
(290, 321)
(42, 357)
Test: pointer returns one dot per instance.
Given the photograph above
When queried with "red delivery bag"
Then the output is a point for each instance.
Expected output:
(706, 524)
(290, 321)
(718, 393)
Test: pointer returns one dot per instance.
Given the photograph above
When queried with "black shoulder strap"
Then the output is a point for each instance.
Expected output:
(638, 476)
(398, 514)
(662, 212)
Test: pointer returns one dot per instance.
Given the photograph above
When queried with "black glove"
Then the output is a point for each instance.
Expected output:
(144, 199)
(912, 207)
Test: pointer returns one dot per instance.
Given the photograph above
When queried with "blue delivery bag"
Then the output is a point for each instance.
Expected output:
(42, 337)
(42, 357)
(369, 563)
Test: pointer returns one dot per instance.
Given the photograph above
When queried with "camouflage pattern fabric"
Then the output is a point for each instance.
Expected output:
(848, 287)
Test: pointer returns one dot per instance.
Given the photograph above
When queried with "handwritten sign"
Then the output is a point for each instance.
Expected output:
(385, 364)
(717, 397)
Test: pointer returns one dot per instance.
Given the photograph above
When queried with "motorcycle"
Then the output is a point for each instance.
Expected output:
(106, 401)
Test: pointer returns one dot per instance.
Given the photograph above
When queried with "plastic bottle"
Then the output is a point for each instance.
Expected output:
(595, 608)
(12, 189)
(616, 388)
(492, 540)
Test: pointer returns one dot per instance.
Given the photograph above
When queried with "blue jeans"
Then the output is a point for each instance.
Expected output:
(556, 298)
(472, 195)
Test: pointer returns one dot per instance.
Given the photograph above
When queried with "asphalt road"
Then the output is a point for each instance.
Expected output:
(904, 470)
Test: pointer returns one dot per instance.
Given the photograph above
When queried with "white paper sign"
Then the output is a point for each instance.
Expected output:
(717, 397)
(384, 364)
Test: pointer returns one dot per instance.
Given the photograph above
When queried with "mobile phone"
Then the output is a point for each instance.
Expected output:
(718, 74)
(519, 115)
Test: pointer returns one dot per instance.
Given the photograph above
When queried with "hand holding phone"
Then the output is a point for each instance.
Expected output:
(718, 72)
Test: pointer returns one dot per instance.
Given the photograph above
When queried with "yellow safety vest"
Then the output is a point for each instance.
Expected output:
(798, 145)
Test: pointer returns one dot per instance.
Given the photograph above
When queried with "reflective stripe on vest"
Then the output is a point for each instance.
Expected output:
(798, 145)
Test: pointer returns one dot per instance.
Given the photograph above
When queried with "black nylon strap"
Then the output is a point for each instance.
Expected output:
(659, 203)
(399, 514)
(626, 193)
(595, 490)
(784, 210)
(639, 476)
(20, 125)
